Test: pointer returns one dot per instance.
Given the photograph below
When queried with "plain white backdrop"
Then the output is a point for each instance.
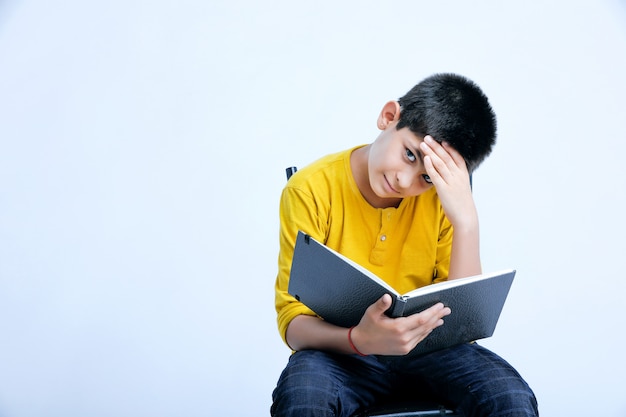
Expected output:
(142, 153)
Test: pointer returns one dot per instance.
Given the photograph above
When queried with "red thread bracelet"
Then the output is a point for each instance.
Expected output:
(352, 343)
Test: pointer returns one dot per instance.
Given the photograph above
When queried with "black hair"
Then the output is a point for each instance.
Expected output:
(451, 108)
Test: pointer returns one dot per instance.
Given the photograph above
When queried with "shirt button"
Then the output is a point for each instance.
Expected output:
(383, 238)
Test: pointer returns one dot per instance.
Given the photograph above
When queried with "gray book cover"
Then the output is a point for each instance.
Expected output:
(339, 290)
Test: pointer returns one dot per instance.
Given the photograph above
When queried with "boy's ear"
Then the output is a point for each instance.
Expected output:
(390, 113)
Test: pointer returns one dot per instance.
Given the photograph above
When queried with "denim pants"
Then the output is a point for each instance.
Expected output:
(467, 378)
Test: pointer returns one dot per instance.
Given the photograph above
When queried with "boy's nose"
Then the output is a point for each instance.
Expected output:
(405, 179)
(408, 178)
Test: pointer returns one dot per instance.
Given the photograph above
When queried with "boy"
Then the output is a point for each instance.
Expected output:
(402, 207)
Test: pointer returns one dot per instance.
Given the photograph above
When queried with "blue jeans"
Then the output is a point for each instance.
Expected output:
(468, 378)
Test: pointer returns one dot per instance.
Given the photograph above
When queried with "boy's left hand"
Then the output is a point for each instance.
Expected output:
(448, 173)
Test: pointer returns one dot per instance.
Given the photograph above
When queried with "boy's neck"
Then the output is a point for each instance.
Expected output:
(359, 165)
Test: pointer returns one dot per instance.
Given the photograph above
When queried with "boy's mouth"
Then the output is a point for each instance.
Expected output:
(390, 186)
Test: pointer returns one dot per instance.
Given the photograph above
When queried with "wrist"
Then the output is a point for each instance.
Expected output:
(466, 223)
(351, 342)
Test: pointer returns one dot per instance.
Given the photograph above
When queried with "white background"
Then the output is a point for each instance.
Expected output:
(142, 153)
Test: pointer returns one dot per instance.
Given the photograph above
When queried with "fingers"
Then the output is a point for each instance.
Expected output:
(443, 151)
(420, 325)
(427, 321)
(442, 161)
(430, 319)
(435, 314)
(382, 305)
(384, 335)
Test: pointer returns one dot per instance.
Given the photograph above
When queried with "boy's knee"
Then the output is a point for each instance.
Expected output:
(304, 388)
(513, 399)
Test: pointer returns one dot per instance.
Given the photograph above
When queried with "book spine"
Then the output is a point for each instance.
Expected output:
(397, 308)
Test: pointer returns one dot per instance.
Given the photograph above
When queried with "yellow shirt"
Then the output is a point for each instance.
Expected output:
(408, 246)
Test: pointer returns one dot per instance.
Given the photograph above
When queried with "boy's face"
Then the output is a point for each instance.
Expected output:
(395, 165)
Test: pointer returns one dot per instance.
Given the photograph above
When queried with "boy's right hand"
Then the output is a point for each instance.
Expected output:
(379, 334)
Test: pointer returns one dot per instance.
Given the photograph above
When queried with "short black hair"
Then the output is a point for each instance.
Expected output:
(451, 108)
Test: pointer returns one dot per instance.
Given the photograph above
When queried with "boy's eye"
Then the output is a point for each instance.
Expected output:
(427, 178)
(410, 155)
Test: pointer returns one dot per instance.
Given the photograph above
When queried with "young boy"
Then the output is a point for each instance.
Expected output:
(402, 207)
